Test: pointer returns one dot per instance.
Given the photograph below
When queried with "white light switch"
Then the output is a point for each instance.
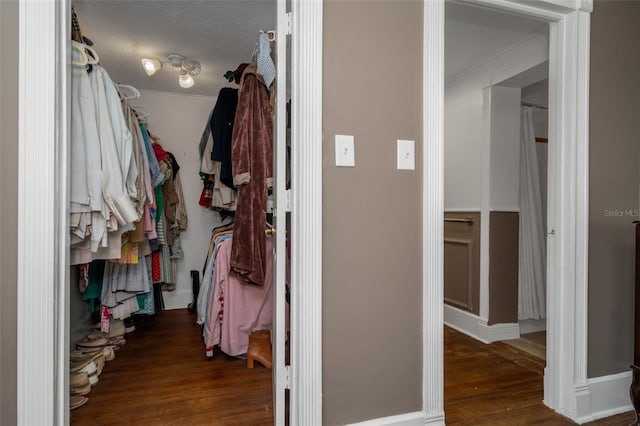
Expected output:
(406, 155)
(345, 155)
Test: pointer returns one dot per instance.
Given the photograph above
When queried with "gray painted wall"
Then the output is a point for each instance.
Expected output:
(613, 184)
(372, 269)
(8, 209)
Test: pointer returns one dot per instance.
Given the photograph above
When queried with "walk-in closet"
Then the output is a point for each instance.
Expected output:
(178, 310)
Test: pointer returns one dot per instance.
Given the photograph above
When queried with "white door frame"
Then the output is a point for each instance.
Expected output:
(43, 256)
(565, 382)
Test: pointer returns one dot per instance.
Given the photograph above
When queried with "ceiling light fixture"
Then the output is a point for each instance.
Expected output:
(185, 80)
(188, 68)
(151, 65)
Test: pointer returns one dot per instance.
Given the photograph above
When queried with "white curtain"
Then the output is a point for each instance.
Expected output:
(532, 257)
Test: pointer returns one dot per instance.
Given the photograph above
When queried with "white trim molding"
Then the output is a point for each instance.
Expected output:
(280, 369)
(306, 215)
(566, 386)
(42, 186)
(433, 212)
(408, 419)
(608, 396)
(476, 327)
(568, 216)
(43, 318)
(463, 210)
(532, 326)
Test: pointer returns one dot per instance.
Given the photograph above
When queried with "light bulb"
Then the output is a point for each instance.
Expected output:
(185, 80)
(151, 65)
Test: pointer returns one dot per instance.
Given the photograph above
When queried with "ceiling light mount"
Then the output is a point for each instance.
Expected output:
(175, 60)
(188, 68)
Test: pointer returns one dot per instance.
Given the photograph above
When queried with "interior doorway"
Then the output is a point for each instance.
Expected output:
(204, 41)
(44, 44)
(534, 159)
(496, 65)
(565, 373)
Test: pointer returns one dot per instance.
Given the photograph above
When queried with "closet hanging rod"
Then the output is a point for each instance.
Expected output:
(459, 220)
(533, 105)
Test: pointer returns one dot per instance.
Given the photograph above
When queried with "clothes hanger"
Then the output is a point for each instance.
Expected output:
(89, 59)
(80, 48)
(271, 34)
(93, 57)
(135, 92)
(141, 115)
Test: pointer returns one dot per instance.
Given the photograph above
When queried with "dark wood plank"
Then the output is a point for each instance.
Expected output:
(161, 377)
(498, 384)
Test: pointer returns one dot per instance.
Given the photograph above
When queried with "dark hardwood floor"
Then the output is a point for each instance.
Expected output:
(161, 377)
(498, 384)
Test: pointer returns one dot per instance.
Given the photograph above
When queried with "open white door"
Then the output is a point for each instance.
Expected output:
(281, 207)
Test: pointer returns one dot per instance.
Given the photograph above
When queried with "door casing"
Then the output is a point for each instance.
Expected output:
(43, 254)
(565, 381)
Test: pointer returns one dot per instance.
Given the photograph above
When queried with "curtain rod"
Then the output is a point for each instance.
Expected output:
(534, 105)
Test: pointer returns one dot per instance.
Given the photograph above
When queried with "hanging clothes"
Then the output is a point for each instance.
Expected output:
(116, 148)
(236, 309)
(218, 192)
(218, 235)
(252, 149)
(126, 196)
(222, 126)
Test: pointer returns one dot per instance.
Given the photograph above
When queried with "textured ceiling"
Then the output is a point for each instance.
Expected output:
(220, 34)
(474, 34)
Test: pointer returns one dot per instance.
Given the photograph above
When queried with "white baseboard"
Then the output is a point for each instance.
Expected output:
(532, 326)
(434, 419)
(176, 299)
(409, 419)
(476, 327)
(609, 395)
(498, 332)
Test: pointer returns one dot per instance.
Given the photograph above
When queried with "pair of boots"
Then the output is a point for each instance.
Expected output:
(259, 348)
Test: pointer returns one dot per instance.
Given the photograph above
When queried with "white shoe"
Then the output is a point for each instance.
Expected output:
(87, 366)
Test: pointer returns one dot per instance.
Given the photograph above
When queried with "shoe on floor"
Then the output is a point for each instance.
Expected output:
(81, 356)
(82, 390)
(86, 353)
(88, 343)
(76, 401)
(87, 366)
(100, 362)
(117, 341)
(117, 328)
(129, 326)
(77, 380)
(259, 348)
